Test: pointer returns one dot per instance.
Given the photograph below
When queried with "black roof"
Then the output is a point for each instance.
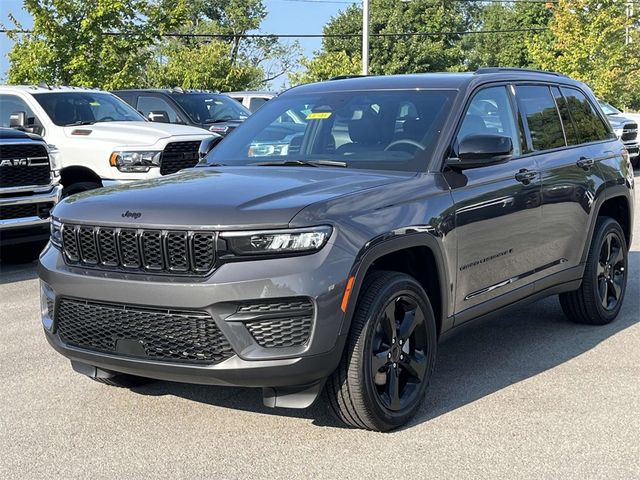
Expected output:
(457, 81)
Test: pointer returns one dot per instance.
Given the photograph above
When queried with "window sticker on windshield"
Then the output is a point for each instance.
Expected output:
(318, 115)
(94, 104)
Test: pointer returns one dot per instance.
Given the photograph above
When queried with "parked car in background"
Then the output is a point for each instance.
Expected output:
(97, 138)
(626, 128)
(199, 108)
(28, 189)
(252, 100)
(408, 206)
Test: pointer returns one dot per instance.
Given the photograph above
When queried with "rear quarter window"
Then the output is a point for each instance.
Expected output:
(590, 126)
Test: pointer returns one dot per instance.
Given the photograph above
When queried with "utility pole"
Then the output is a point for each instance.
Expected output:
(627, 30)
(365, 37)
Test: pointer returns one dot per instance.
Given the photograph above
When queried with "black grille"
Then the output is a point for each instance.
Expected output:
(127, 249)
(9, 212)
(16, 175)
(630, 132)
(279, 323)
(179, 155)
(176, 336)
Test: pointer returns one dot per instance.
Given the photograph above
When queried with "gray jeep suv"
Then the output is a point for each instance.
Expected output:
(338, 257)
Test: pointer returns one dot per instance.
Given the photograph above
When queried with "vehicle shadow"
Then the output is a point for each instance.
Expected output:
(479, 361)
(17, 269)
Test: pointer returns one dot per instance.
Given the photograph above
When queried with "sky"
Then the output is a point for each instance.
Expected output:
(284, 16)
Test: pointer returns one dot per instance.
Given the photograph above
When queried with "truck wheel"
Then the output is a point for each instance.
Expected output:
(600, 296)
(123, 380)
(389, 356)
(79, 187)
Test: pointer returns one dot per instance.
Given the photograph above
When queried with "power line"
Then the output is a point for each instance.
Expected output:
(304, 35)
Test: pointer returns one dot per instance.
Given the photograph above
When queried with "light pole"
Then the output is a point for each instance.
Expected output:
(365, 37)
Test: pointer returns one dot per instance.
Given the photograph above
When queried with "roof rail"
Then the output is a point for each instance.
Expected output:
(44, 85)
(484, 70)
(344, 77)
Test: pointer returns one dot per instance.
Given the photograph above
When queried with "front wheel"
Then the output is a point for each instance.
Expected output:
(600, 296)
(79, 187)
(390, 354)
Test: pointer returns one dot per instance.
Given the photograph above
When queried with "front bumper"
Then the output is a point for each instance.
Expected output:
(633, 149)
(317, 277)
(28, 228)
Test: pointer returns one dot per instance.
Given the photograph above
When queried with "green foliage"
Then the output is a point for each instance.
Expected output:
(68, 45)
(326, 65)
(587, 42)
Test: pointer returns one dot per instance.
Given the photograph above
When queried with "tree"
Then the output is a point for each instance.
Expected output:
(507, 49)
(326, 65)
(588, 43)
(395, 54)
(73, 42)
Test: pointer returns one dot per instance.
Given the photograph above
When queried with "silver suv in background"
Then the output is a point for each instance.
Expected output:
(250, 99)
(28, 189)
(626, 129)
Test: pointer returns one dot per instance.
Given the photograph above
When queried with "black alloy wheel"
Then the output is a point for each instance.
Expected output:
(611, 271)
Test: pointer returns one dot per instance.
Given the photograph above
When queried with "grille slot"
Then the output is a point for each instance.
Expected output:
(176, 336)
(179, 155)
(630, 132)
(280, 323)
(140, 250)
(21, 175)
(8, 212)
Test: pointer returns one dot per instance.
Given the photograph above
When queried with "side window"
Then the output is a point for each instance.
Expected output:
(10, 104)
(157, 104)
(256, 102)
(590, 126)
(567, 122)
(541, 115)
(490, 112)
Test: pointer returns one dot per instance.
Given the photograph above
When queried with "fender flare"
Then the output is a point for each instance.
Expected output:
(392, 242)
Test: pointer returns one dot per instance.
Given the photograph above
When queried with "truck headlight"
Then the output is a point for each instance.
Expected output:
(276, 242)
(54, 156)
(618, 132)
(56, 232)
(135, 161)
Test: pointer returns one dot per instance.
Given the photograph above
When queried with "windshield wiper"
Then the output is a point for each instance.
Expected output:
(302, 163)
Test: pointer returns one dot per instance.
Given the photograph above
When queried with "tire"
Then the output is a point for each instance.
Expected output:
(359, 393)
(122, 380)
(79, 187)
(600, 296)
(635, 162)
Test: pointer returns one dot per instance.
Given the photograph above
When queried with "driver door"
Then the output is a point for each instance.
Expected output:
(498, 214)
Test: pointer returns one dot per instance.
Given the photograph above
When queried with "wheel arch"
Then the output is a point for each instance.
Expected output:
(407, 254)
(76, 173)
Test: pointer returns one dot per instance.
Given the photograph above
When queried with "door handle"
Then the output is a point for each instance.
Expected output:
(525, 176)
(585, 163)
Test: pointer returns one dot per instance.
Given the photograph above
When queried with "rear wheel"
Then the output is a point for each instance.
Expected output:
(600, 296)
(390, 354)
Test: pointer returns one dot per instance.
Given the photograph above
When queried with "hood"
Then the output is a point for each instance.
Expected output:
(224, 197)
(618, 121)
(134, 133)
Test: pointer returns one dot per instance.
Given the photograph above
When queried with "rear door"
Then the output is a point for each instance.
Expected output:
(498, 212)
(569, 174)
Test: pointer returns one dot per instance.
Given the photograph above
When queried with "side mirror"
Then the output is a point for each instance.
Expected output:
(159, 116)
(207, 145)
(18, 120)
(481, 150)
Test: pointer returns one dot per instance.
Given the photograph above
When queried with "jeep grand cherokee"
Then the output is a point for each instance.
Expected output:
(337, 258)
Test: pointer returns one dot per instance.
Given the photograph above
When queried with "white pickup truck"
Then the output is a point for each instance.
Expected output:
(96, 138)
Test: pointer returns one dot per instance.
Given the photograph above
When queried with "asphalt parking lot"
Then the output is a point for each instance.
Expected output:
(527, 395)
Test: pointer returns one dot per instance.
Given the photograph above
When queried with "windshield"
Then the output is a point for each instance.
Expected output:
(211, 108)
(609, 109)
(86, 108)
(386, 130)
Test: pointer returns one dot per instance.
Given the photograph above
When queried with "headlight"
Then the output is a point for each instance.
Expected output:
(274, 242)
(54, 156)
(135, 161)
(56, 232)
(618, 131)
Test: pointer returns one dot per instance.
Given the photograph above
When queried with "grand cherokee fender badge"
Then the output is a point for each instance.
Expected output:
(134, 215)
